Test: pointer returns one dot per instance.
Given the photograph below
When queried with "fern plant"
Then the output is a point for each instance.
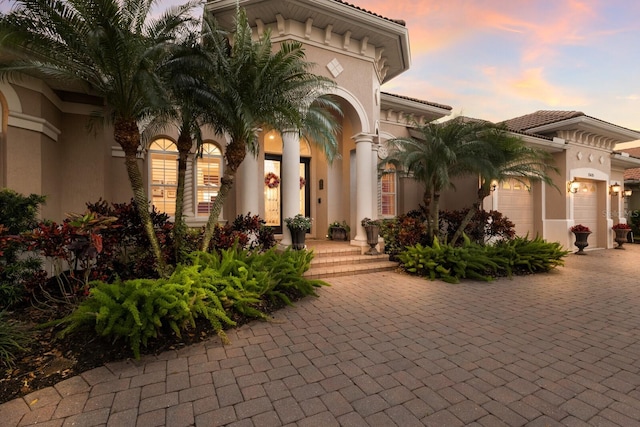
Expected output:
(213, 287)
(473, 261)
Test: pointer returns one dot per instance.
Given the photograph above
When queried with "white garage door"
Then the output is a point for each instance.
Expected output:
(515, 201)
(585, 209)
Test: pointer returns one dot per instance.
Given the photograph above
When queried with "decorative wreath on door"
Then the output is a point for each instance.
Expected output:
(271, 180)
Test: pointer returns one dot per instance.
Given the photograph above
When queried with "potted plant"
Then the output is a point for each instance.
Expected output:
(372, 227)
(621, 230)
(582, 233)
(298, 226)
(338, 231)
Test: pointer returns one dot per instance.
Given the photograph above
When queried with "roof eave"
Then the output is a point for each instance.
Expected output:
(624, 161)
(410, 106)
(589, 124)
(556, 145)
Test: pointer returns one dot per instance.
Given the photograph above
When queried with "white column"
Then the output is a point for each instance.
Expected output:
(374, 180)
(364, 186)
(290, 183)
(249, 200)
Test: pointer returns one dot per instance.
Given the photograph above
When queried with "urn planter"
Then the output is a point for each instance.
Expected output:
(621, 236)
(297, 238)
(338, 234)
(372, 239)
(581, 241)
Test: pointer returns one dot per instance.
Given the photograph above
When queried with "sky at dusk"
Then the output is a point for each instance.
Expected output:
(498, 59)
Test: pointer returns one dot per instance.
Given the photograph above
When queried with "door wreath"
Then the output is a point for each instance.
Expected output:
(271, 180)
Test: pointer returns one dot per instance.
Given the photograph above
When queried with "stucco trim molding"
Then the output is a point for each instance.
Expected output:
(36, 124)
(117, 151)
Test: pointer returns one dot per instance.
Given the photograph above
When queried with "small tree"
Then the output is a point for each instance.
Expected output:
(509, 158)
(113, 48)
(248, 86)
(443, 152)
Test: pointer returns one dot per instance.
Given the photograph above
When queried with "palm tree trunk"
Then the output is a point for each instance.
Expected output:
(234, 155)
(465, 221)
(185, 144)
(216, 208)
(435, 214)
(127, 135)
(483, 192)
(179, 227)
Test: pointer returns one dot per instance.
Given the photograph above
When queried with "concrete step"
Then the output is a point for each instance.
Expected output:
(337, 259)
(349, 270)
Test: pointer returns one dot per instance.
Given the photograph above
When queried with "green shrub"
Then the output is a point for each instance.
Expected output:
(523, 255)
(518, 256)
(214, 287)
(449, 263)
(14, 337)
(19, 274)
(135, 310)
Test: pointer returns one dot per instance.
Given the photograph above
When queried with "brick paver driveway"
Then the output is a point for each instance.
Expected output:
(387, 349)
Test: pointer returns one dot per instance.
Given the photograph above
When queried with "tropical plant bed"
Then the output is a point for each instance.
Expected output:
(48, 360)
(479, 262)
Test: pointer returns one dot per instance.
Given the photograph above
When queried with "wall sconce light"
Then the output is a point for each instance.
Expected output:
(627, 193)
(494, 185)
(573, 186)
(614, 190)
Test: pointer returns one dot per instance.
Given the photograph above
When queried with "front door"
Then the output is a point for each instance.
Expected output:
(273, 196)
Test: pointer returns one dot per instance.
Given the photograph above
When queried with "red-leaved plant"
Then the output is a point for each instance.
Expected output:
(621, 226)
(579, 228)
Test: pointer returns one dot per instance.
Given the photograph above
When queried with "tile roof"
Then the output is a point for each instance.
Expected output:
(397, 21)
(539, 118)
(433, 104)
(632, 174)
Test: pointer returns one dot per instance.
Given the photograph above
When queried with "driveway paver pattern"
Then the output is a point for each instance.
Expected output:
(389, 349)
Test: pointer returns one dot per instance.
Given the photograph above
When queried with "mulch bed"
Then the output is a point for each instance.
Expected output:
(48, 360)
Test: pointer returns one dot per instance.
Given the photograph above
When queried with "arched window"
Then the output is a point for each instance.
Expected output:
(208, 173)
(388, 192)
(163, 161)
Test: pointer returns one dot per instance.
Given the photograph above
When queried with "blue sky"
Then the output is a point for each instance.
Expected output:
(498, 59)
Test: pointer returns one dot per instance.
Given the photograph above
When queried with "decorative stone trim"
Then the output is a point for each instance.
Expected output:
(36, 124)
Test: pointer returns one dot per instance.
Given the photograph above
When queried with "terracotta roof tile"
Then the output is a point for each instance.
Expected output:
(632, 174)
(540, 118)
(433, 104)
(397, 21)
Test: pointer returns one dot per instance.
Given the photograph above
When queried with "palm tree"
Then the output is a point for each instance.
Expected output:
(180, 72)
(113, 48)
(443, 152)
(251, 87)
(510, 158)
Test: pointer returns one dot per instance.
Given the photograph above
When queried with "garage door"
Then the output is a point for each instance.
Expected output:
(585, 209)
(515, 201)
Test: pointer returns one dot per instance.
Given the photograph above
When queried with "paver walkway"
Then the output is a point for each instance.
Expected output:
(387, 349)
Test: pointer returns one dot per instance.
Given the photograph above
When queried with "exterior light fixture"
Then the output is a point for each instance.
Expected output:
(573, 186)
(627, 193)
(494, 185)
(614, 190)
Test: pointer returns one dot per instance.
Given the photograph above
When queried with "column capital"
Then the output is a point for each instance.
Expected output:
(363, 137)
